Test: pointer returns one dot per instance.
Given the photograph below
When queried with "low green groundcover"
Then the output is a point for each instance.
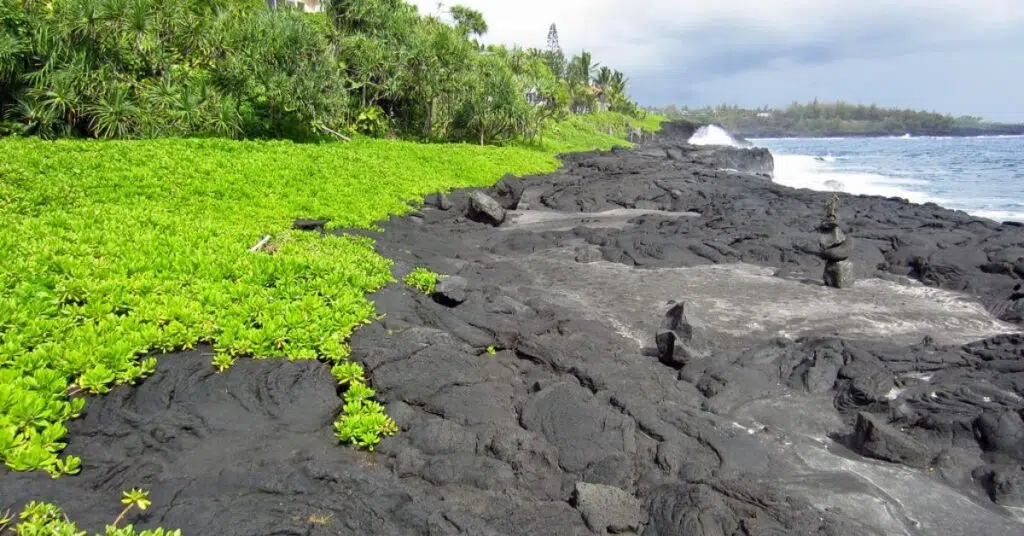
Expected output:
(113, 251)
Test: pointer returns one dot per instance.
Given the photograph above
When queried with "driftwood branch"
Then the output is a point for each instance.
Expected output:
(335, 132)
(260, 245)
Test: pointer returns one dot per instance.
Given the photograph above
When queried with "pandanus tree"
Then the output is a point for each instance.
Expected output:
(381, 44)
(118, 68)
(440, 69)
(377, 18)
(495, 105)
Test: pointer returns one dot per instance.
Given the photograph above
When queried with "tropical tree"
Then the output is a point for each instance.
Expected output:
(441, 71)
(603, 79)
(386, 19)
(617, 96)
(581, 68)
(469, 21)
(555, 56)
(579, 74)
(146, 68)
(285, 75)
(495, 106)
(553, 95)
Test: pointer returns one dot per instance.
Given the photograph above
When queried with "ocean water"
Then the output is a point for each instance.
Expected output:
(983, 176)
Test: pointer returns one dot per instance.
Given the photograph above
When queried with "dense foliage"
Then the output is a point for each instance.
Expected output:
(236, 68)
(830, 119)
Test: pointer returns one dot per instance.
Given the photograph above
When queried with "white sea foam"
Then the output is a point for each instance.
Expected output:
(820, 173)
(999, 215)
(803, 171)
(713, 135)
(978, 175)
(784, 138)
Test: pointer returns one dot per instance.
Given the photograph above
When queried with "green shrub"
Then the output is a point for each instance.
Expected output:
(422, 280)
(46, 519)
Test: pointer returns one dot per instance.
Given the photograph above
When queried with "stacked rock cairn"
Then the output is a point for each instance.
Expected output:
(836, 248)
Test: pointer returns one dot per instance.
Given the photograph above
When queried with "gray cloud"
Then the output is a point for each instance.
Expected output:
(727, 49)
(978, 80)
(757, 52)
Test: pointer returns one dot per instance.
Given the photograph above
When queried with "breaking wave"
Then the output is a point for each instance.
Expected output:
(824, 174)
(980, 176)
(820, 173)
(715, 135)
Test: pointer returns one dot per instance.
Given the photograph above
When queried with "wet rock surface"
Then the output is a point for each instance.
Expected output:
(893, 406)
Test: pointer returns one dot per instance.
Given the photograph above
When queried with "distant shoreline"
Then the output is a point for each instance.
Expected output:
(839, 119)
(744, 136)
(995, 130)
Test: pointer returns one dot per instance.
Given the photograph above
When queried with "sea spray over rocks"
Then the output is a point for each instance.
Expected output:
(571, 424)
(716, 135)
(980, 176)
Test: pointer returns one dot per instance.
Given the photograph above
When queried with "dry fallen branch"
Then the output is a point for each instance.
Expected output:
(336, 133)
(260, 245)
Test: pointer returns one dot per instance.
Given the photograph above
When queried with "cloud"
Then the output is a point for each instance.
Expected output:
(977, 81)
(654, 33)
(704, 40)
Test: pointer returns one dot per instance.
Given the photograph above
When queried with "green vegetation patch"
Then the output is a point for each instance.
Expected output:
(47, 519)
(619, 125)
(599, 130)
(422, 279)
(113, 251)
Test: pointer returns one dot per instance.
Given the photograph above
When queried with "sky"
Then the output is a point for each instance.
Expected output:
(963, 57)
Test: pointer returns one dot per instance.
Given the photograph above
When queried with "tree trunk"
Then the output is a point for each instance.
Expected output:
(429, 120)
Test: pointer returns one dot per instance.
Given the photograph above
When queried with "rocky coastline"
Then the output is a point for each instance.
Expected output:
(638, 343)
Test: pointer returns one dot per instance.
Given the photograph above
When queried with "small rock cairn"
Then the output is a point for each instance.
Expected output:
(836, 248)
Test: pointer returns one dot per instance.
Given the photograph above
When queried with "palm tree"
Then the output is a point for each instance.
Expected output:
(582, 95)
(619, 81)
(617, 85)
(581, 67)
(603, 78)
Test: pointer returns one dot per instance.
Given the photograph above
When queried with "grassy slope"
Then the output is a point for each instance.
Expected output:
(112, 250)
(602, 130)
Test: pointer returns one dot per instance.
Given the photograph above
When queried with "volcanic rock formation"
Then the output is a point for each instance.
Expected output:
(836, 248)
(893, 407)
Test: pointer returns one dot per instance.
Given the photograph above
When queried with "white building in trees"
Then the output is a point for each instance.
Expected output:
(309, 6)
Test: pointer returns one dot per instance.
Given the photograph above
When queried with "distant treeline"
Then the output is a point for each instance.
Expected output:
(837, 119)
